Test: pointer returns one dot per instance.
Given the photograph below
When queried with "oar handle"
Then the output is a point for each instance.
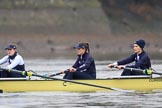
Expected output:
(116, 67)
(59, 73)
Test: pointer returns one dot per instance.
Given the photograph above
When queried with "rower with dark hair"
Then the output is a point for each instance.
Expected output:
(140, 57)
(84, 67)
(14, 60)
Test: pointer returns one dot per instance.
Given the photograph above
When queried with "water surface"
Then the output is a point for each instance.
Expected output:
(79, 99)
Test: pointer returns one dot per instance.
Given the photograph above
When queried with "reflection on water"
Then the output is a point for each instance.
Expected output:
(78, 99)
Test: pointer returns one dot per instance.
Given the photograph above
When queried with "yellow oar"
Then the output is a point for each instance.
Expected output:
(29, 73)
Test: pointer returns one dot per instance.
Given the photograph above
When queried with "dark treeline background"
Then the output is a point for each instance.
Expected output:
(49, 28)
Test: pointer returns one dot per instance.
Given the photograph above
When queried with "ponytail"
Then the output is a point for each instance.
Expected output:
(83, 45)
(87, 47)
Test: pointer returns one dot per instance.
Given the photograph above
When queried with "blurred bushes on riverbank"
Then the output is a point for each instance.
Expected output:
(49, 28)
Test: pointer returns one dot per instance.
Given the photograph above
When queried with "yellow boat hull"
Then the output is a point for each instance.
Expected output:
(136, 83)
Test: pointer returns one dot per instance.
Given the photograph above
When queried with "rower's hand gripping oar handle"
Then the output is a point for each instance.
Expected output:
(116, 67)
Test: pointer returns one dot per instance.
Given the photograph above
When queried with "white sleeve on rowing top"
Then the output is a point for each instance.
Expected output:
(115, 64)
(4, 59)
(17, 61)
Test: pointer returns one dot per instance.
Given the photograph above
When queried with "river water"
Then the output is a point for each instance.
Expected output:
(79, 99)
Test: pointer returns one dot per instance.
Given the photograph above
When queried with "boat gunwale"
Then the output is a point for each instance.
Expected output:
(109, 78)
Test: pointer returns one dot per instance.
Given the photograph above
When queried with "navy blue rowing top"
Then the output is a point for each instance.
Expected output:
(142, 62)
(85, 63)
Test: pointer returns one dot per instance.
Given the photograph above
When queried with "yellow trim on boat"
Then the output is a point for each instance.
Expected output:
(140, 83)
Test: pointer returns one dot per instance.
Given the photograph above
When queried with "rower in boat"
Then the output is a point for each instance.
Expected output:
(140, 57)
(84, 67)
(14, 60)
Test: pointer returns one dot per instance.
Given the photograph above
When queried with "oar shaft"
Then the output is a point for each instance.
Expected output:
(76, 82)
(55, 74)
(157, 73)
(11, 70)
(59, 73)
(146, 71)
(87, 84)
(134, 69)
